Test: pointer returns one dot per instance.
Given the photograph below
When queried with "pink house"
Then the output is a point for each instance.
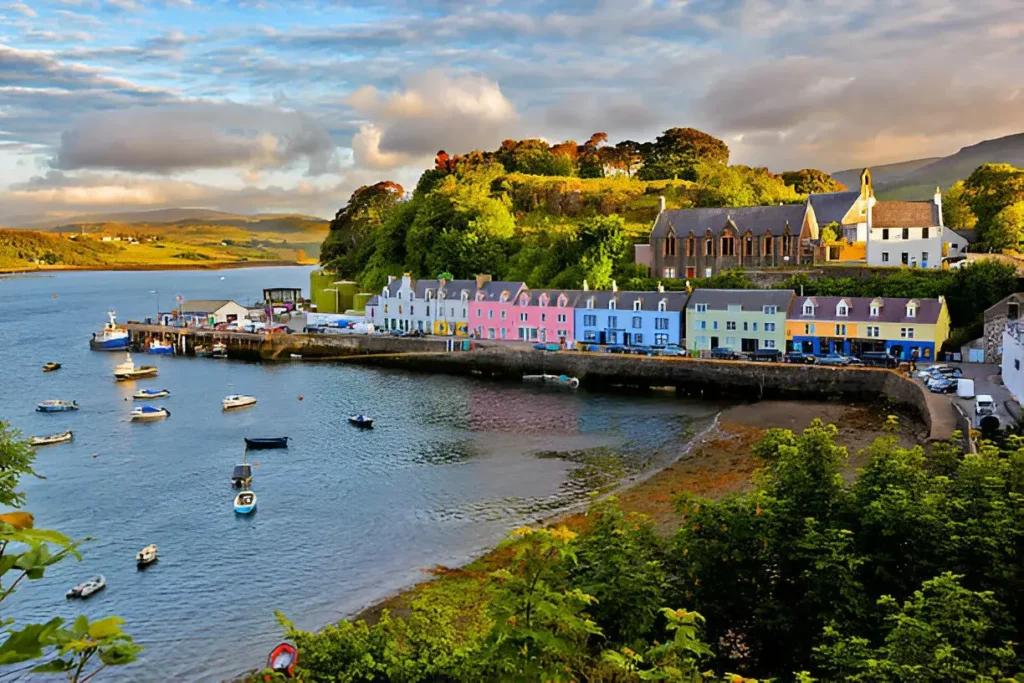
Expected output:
(490, 313)
(544, 315)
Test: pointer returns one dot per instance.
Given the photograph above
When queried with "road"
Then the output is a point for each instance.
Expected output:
(987, 381)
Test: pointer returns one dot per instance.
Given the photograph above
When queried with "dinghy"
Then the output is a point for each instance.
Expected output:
(128, 371)
(203, 351)
(238, 401)
(146, 394)
(90, 587)
(241, 476)
(50, 367)
(560, 380)
(146, 556)
(267, 442)
(361, 421)
(220, 350)
(283, 659)
(51, 439)
(149, 414)
(56, 405)
(245, 502)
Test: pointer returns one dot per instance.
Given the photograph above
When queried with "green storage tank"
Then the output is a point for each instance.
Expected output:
(346, 292)
(321, 291)
(359, 303)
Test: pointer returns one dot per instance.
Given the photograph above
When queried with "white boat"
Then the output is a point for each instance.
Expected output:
(149, 414)
(220, 350)
(245, 502)
(111, 337)
(159, 346)
(128, 370)
(560, 380)
(51, 439)
(56, 405)
(84, 590)
(146, 556)
(146, 394)
(237, 401)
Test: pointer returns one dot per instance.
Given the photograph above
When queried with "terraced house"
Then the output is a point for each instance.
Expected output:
(428, 306)
(737, 319)
(853, 325)
(545, 314)
(629, 318)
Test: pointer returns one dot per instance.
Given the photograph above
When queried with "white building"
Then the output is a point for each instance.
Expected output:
(427, 306)
(1013, 359)
(212, 312)
(910, 234)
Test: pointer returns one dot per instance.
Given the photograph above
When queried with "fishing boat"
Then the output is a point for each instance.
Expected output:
(245, 502)
(149, 414)
(241, 476)
(238, 401)
(127, 370)
(50, 367)
(283, 659)
(56, 405)
(159, 346)
(203, 351)
(88, 588)
(220, 350)
(559, 380)
(51, 439)
(361, 421)
(260, 444)
(146, 556)
(147, 394)
(110, 338)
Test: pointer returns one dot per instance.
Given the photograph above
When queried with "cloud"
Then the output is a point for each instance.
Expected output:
(124, 5)
(434, 111)
(21, 8)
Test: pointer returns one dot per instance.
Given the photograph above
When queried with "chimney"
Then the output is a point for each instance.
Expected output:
(586, 287)
(391, 278)
(661, 203)
(481, 280)
(615, 287)
(938, 203)
(661, 288)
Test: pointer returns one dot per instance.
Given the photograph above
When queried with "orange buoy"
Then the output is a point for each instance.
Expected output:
(255, 464)
(300, 397)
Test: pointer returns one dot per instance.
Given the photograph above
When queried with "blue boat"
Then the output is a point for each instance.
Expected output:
(245, 502)
(110, 338)
(162, 347)
(361, 421)
(56, 405)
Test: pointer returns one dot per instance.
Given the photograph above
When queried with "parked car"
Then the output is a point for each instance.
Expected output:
(721, 353)
(984, 405)
(950, 371)
(878, 359)
(768, 355)
(832, 359)
(617, 348)
(673, 350)
(799, 357)
(943, 386)
(641, 351)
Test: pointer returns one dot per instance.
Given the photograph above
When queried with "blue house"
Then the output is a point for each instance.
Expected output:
(630, 318)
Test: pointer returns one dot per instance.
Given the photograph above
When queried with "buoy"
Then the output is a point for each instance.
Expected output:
(54, 296)
(255, 464)
(300, 397)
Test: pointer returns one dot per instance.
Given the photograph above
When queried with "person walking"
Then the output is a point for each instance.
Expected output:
(913, 361)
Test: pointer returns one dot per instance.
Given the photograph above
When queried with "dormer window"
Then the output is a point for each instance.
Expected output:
(480, 296)
(524, 300)
(911, 310)
(465, 295)
(611, 305)
(637, 305)
(562, 301)
(543, 301)
(662, 305)
(808, 308)
(842, 310)
(590, 302)
(874, 311)
(504, 296)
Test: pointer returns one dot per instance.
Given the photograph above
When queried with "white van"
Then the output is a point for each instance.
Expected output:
(965, 388)
(984, 405)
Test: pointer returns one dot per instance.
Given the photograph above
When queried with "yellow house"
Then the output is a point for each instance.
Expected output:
(853, 325)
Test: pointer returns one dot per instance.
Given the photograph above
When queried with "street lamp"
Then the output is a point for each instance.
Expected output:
(157, 292)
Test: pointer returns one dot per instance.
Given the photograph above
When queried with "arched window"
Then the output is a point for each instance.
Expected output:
(670, 245)
(611, 304)
(691, 246)
(842, 310)
(662, 305)
(562, 301)
(543, 301)
(637, 305)
(769, 244)
(590, 302)
(504, 296)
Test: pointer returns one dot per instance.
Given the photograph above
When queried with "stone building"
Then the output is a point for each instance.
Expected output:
(996, 317)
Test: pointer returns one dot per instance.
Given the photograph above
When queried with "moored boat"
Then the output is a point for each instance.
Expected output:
(87, 588)
(110, 338)
(220, 350)
(56, 405)
(148, 414)
(159, 346)
(146, 556)
(203, 351)
(560, 380)
(51, 439)
(264, 443)
(50, 367)
(237, 401)
(361, 421)
(245, 502)
(283, 659)
(241, 476)
(146, 394)
(127, 370)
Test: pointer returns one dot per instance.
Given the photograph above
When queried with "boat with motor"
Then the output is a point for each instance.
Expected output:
(559, 380)
(361, 421)
(63, 437)
(220, 350)
(160, 346)
(238, 401)
(111, 337)
(202, 351)
(56, 405)
(259, 444)
(245, 502)
(127, 370)
(87, 588)
(241, 476)
(147, 394)
(283, 659)
(148, 414)
(146, 556)
(50, 367)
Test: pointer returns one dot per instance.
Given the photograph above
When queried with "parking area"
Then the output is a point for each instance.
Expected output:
(986, 381)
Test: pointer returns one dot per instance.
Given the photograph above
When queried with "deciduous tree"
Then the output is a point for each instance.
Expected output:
(811, 180)
(678, 152)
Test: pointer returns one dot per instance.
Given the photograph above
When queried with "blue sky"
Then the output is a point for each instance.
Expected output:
(289, 106)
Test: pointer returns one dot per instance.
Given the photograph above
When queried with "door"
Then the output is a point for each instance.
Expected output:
(691, 272)
(748, 345)
(602, 337)
(543, 335)
(628, 339)
(714, 342)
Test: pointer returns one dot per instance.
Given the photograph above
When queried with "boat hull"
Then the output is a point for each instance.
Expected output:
(148, 397)
(239, 406)
(245, 509)
(160, 350)
(116, 344)
(37, 441)
(152, 416)
(140, 373)
(55, 409)
(362, 424)
(265, 444)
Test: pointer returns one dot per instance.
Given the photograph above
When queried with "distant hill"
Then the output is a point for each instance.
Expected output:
(174, 216)
(918, 179)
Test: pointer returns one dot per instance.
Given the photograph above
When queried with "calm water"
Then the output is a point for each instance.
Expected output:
(345, 517)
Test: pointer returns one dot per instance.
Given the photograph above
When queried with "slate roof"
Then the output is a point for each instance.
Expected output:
(204, 305)
(674, 301)
(904, 215)
(572, 296)
(830, 207)
(749, 299)
(893, 310)
(492, 290)
(757, 219)
(970, 236)
(373, 300)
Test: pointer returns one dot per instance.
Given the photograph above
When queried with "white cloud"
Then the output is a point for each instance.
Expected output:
(21, 8)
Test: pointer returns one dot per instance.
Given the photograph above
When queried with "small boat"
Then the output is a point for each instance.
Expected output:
(149, 414)
(146, 394)
(220, 350)
(88, 588)
(50, 367)
(51, 439)
(295, 355)
(361, 421)
(203, 352)
(146, 556)
(56, 405)
(159, 346)
(267, 442)
(237, 401)
(560, 380)
(241, 476)
(283, 659)
(110, 338)
(245, 502)
(127, 370)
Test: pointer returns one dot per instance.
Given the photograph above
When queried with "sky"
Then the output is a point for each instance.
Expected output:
(278, 106)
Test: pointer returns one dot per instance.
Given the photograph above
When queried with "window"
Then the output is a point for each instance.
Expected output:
(702, 324)
(745, 325)
(590, 302)
(451, 313)
(748, 246)
(707, 272)
(590, 335)
(662, 305)
(874, 311)
(562, 317)
(661, 323)
(701, 342)
(670, 246)
(730, 342)
(841, 310)
(543, 317)
(840, 330)
(714, 324)
(730, 325)
(885, 257)
(1016, 363)
(768, 344)
(787, 243)
(1012, 311)
(924, 258)
(904, 258)
(638, 338)
(670, 272)
(399, 295)
(755, 327)
(924, 233)
(768, 327)
(503, 331)
(490, 333)
(906, 333)
(769, 310)
(691, 246)
(906, 233)
(873, 331)
(885, 233)
(589, 320)
(638, 322)
(707, 247)
(911, 311)
(479, 313)
(808, 309)
(661, 339)
(769, 246)
(385, 308)
(428, 310)
(637, 305)
(503, 316)
(809, 329)
(728, 246)
(699, 308)
(611, 305)
(613, 321)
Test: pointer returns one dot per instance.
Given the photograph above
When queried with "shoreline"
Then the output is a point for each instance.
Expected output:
(217, 265)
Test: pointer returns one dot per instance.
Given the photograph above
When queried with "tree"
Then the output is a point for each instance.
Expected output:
(811, 180)
(1006, 230)
(16, 458)
(831, 232)
(956, 208)
(354, 226)
(628, 156)
(991, 188)
(722, 185)
(678, 152)
(591, 156)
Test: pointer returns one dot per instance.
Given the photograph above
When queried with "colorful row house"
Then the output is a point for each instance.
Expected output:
(428, 306)
(746, 320)
(821, 325)
(630, 318)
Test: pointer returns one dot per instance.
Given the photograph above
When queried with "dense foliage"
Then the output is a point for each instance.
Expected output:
(992, 198)
(910, 572)
(811, 180)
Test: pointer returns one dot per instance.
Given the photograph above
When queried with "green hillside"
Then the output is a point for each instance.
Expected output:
(882, 173)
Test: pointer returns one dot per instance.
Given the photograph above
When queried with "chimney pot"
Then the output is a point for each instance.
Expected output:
(661, 288)
(586, 287)
(481, 280)
(615, 287)
(661, 203)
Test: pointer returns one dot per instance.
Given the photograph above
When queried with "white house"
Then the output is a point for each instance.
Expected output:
(910, 234)
(1013, 359)
(207, 312)
(427, 306)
